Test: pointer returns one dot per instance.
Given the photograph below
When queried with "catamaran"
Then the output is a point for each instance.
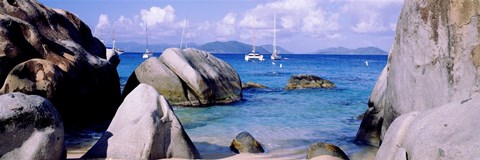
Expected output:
(147, 53)
(275, 53)
(254, 55)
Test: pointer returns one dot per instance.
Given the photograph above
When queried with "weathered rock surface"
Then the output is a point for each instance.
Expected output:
(434, 60)
(302, 81)
(245, 143)
(29, 30)
(446, 132)
(30, 128)
(249, 85)
(322, 149)
(144, 127)
(188, 78)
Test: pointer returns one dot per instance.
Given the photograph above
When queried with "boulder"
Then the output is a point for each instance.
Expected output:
(30, 128)
(188, 77)
(434, 60)
(325, 149)
(446, 132)
(303, 81)
(249, 85)
(245, 143)
(29, 30)
(144, 127)
(39, 77)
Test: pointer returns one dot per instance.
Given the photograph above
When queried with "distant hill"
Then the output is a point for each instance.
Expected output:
(137, 47)
(269, 48)
(343, 50)
(237, 47)
(213, 47)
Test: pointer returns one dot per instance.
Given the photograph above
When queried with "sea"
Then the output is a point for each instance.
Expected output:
(285, 122)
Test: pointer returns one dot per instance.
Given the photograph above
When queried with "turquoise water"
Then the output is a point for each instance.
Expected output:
(285, 122)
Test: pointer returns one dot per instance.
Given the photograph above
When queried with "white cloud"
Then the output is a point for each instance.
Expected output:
(372, 16)
(227, 26)
(393, 26)
(293, 16)
(102, 24)
(156, 15)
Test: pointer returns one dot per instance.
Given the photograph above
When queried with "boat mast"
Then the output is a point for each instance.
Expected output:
(146, 34)
(274, 32)
(113, 39)
(253, 39)
(184, 34)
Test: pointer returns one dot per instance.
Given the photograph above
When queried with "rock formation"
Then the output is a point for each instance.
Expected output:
(446, 132)
(249, 85)
(322, 149)
(69, 69)
(188, 78)
(245, 143)
(434, 60)
(144, 127)
(30, 128)
(303, 81)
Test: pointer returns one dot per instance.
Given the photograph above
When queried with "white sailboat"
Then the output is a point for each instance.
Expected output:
(275, 53)
(254, 55)
(112, 50)
(147, 53)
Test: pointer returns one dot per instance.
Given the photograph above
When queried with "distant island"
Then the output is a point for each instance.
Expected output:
(347, 51)
(237, 47)
(213, 47)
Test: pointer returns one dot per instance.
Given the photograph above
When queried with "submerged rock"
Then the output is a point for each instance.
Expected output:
(431, 63)
(249, 85)
(446, 132)
(76, 59)
(30, 128)
(188, 77)
(302, 81)
(144, 127)
(245, 143)
(325, 149)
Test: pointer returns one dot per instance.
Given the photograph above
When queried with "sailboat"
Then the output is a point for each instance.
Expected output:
(275, 53)
(147, 53)
(254, 55)
(112, 50)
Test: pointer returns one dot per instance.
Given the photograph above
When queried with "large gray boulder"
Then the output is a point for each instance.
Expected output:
(446, 132)
(144, 127)
(434, 60)
(30, 128)
(29, 30)
(188, 77)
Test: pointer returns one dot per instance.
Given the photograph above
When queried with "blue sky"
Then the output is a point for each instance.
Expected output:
(302, 25)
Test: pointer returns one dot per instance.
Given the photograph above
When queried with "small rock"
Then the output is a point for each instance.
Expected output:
(245, 143)
(249, 85)
(308, 81)
(322, 149)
